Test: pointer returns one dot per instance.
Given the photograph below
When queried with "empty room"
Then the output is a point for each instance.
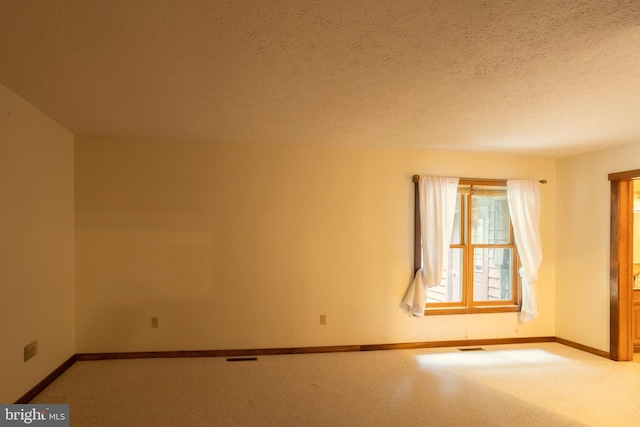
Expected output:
(305, 213)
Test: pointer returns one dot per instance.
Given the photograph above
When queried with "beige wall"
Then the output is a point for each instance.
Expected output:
(583, 242)
(244, 246)
(36, 245)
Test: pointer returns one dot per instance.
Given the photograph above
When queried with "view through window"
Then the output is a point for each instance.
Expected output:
(482, 266)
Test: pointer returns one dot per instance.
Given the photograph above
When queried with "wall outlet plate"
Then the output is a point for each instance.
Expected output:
(154, 322)
(30, 350)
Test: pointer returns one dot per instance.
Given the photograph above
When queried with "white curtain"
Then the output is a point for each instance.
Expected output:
(524, 208)
(437, 212)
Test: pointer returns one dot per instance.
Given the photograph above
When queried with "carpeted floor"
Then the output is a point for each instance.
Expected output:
(512, 385)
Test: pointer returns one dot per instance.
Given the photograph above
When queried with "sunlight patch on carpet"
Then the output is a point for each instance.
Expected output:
(489, 358)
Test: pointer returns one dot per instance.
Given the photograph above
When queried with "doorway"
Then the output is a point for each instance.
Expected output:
(635, 278)
(621, 264)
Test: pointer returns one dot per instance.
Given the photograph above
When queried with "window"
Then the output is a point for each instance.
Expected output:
(481, 275)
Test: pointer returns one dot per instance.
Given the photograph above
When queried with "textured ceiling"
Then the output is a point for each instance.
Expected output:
(547, 77)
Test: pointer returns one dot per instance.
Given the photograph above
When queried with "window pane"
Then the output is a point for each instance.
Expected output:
(490, 222)
(450, 288)
(492, 282)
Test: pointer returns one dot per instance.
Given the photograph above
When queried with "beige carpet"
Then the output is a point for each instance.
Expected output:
(513, 385)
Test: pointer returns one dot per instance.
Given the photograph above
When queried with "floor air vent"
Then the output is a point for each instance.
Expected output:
(471, 349)
(241, 359)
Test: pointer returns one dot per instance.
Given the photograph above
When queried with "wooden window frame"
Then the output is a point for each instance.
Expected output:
(467, 305)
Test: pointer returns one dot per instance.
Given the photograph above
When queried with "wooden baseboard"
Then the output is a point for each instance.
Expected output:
(588, 349)
(215, 353)
(456, 343)
(304, 350)
(295, 350)
(26, 398)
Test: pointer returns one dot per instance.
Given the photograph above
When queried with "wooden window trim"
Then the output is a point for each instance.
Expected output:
(436, 311)
(467, 305)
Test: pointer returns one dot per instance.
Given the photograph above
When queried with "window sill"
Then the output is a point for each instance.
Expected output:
(472, 310)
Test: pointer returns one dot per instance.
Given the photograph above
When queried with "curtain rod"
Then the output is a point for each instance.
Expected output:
(485, 181)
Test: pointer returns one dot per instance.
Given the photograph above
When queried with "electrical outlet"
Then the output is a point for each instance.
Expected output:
(154, 322)
(30, 350)
(323, 319)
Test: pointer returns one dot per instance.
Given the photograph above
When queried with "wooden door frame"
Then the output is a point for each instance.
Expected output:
(621, 265)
